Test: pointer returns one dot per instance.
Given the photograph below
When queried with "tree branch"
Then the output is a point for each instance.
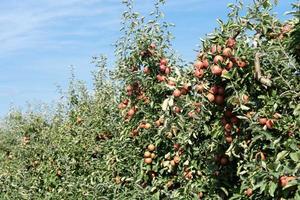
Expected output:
(265, 81)
(236, 34)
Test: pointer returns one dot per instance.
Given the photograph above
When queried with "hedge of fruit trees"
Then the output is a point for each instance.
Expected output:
(225, 126)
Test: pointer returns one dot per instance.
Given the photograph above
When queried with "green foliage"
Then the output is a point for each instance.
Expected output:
(158, 128)
(295, 35)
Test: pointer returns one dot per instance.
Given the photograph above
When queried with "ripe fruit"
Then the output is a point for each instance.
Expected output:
(262, 121)
(183, 91)
(216, 70)
(200, 195)
(230, 42)
(176, 93)
(216, 48)
(198, 64)
(147, 154)
(188, 175)
(146, 70)
(171, 83)
(148, 160)
(269, 124)
(129, 88)
(157, 123)
(129, 93)
(228, 113)
(286, 28)
(191, 114)
(177, 109)
(163, 61)
(172, 162)
(134, 133)
(218, 59)
(199, 88)
(162, 68)
(245, 99)
(248, 192)
(151, 147)
(210, 97)
(284, 180)
(228, 139)
(234, 120)
(142, 125)
(213, 49)
(229, 65)
(223, 121)
(58, 173)
(224, 161)
(152, 46)
(152, 155)
(214, 89)
(228, 127)
(241, 63)
(219, 99)
(131, 112)
(176, 146)
(160, 78)
(168, 70)
(227, 133)
(205, 64)
(198, 73)
(221, 91)
(147, 126)
(186, 87)
(134, 68)
(176, 159)
(126, 101)
(227, 52)
(79, 120)
(121, 106)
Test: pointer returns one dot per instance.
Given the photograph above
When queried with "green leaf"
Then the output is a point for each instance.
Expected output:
(295, 156)
(266, 4)
(227, 75)
(297, 110)
(165, 104)
(224, 190)
(171, 102)
(281, 155)
(243, 107)
(263, 164)
(272, 188)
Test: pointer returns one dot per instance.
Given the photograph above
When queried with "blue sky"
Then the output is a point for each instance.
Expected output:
(41, 39)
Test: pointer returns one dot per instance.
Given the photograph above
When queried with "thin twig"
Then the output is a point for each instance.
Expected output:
(236, 34)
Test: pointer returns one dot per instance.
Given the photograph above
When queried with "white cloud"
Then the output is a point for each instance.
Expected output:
(27, 24)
